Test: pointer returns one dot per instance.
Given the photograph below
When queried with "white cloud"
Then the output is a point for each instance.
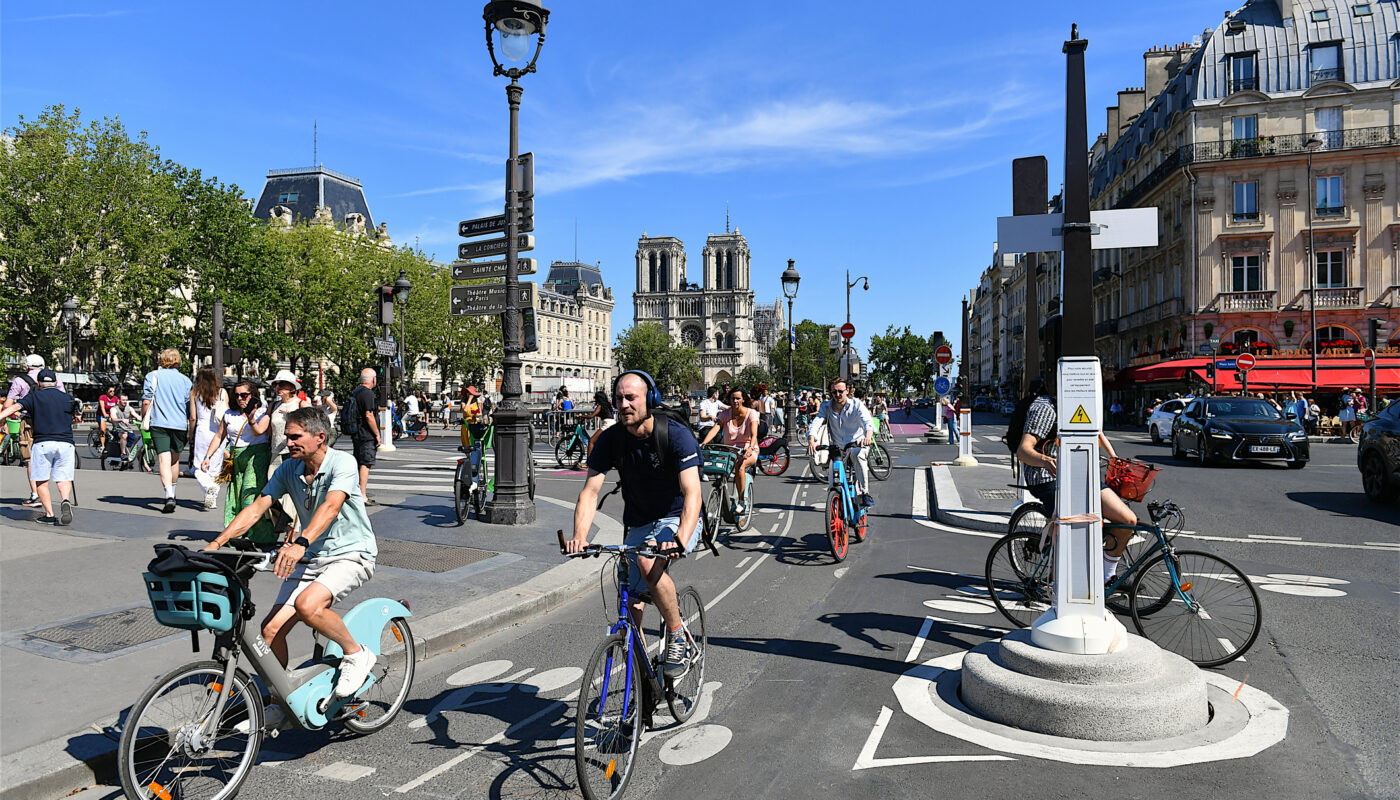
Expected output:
(75, 15)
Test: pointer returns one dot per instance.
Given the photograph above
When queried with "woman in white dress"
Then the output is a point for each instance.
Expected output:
(207, 407)
(284, 402)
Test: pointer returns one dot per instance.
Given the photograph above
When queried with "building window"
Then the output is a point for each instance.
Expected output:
(1327, 125)
(1329, 196)
(1246, 201)
(1319, 15)
(1242, 76)
(1331, 269)
(1361, 10)
(1325, 62)
(288, 197)
(1245, 127)
(1245, 275)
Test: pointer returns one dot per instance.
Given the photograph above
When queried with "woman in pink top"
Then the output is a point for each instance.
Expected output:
(740, 426)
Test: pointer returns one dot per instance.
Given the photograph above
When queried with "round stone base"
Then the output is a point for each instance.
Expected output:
(1138, 693)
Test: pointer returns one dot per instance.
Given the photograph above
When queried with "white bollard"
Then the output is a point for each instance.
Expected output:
(965, 457)
(386, 431)
(1078, 623)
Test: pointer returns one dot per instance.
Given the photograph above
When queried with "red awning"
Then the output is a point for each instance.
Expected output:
(1333, 372)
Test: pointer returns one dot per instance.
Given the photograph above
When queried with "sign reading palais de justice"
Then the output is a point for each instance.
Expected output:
(469, 271)
(487, 299)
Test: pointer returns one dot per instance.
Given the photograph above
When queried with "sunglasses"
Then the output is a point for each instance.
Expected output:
(838, 391)
(242, 394)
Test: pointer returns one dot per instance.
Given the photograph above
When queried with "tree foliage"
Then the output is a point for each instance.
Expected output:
(809, 356)
(648, 347)
(752, 375)
(902, 361)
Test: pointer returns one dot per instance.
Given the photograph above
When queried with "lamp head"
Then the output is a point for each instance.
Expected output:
(70, 310)
(512, 24)
(402, 286)
(790, 280)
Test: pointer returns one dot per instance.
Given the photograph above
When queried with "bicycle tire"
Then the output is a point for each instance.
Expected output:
(1028, 518)
(388, 694)
(819, 462)
(836, 535)
(1020, 577)
(858, 530)
(683, 693)
(478, 499)
(561, 451)
(94, 442)
(744, 520)
(530, 475)
(420, 434)
(607, 720)
(151, 763)
(777, 463)
(460, 490)
(879, 461)
(1230, 603)
(710, 509)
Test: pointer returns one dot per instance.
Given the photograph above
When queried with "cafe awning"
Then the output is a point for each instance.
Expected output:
(1333, 373)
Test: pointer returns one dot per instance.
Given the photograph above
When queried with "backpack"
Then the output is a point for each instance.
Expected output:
(351, 417)
(1015, 428)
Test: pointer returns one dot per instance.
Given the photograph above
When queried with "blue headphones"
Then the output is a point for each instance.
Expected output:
(653, 396)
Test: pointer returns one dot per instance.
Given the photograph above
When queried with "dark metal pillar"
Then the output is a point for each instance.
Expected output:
(1030, 195)
(1076, 317)
(216, 335)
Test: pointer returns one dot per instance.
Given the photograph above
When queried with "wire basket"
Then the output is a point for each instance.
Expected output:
(1132, 480)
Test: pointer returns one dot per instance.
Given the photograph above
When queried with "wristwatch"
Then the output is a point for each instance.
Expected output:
(301, 540)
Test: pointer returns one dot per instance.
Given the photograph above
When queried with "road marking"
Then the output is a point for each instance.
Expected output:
(1277, 538)
(960, 607)
(1386, 545)
(773, 529)
(759, 561)
(344, 771)
(920, 508)
(742, 563)
(840, 573)
(478, 673)
(1228, 645)
(867, 759)
(919, 640)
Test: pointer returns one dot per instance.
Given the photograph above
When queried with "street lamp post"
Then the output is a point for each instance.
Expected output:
(402, 287)
(1313, 144)
(513, 22)
(846, 343)
(70, 313)
(790, 281)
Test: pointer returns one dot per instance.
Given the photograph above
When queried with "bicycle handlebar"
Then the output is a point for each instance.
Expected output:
(595, 550)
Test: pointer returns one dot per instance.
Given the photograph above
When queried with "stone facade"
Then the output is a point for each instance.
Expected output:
(573, 324)
(716, 317)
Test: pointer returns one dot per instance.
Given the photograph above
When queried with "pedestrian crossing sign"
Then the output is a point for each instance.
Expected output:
(1080, 417)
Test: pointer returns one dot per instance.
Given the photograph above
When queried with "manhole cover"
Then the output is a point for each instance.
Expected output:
(997, 494)
(421, 557)
(105, 633)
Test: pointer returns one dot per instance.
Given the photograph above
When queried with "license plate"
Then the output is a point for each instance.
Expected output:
(1264, 448)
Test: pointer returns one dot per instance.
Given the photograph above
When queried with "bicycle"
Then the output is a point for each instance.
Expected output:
(196, 731)
(94, 441)
(571, 448)
(720, 504)
(846, 518)
(882, 431)
(774, 455)
(140, 452)
(10, 452)
(417, 427)
(469, 491)
(1201, 620)
(620, 688)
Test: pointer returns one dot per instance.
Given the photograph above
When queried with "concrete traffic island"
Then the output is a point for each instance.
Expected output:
(1137, 693)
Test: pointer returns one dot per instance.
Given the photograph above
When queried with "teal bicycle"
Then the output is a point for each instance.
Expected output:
(572, 447)
(846, 517)
(721, 503)
(196, 732)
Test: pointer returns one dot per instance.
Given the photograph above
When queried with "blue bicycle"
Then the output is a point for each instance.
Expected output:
(621, 686)
(845, 515)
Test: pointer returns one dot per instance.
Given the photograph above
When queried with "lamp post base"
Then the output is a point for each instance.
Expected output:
(511, 503)
(386, 432)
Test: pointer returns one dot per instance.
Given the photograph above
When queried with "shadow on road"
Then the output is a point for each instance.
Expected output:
(1347, 504)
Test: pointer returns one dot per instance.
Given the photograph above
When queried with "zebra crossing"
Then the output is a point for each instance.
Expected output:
(414, 478)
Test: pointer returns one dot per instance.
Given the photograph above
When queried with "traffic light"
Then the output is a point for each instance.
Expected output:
(938, 338)
(1210, 368)
(386, 305)
(1378, 333)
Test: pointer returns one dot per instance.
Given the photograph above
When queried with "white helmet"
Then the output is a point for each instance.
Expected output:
(34, 361)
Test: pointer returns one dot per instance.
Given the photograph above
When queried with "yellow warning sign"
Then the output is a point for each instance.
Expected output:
(1080, 417)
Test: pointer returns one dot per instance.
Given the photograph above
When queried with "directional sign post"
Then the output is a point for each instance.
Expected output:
(478, 270)
(487, 299)
(494, 247)
(386, 347)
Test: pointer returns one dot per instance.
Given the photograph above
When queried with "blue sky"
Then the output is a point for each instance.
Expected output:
(871, 138)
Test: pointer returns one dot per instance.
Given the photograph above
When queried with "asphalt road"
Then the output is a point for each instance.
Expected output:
(804, 654)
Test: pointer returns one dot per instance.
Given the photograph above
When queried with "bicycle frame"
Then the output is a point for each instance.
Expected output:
(636, 644)
(840, 479)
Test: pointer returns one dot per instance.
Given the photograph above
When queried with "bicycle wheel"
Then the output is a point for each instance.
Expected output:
(1211, 614)
(148, 459)
(711, 511)
(420, 433)
(530, 475)
(683, 693)
(607, 720)
(836, 533)
(94, 442)
(862, 521)
(1020, 577)
(742, 521)
(1028, 518)
(378, 704)
(879, 461)
(777, 463)
(159, 755)
(461, 487)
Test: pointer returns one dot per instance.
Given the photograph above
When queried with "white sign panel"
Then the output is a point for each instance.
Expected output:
(1080, 401)
(1042, 233)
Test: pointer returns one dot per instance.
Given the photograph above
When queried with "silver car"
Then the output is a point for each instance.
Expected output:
(1159, 425)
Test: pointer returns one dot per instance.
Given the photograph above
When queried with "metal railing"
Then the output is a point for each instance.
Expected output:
(1245, 216)
(1328, 74)
(1146, 316)
(1106, 328)
(1244, 301)
(1243, 84)
(1330, 211)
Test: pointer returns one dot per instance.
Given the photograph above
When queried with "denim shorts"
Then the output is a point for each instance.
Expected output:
(661, 531)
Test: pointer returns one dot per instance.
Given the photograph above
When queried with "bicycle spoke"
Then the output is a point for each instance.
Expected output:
(1196, 605)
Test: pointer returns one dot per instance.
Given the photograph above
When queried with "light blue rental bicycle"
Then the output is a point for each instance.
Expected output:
(196, 731)
(845, 516)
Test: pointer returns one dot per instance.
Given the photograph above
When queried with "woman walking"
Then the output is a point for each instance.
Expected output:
(246, 422)
(207, 407)
(285, 400)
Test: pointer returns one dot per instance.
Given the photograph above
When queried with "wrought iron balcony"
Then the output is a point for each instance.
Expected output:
(1328, 74)
(1243, 84)
(1330, 211)
(1245, 216)
(1106, 328)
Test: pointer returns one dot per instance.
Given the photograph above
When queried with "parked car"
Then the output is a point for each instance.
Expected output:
(1378, 456)
(1008, 408)
(1162, 418)
(1238, 429)
(925, 402)
(983, 403)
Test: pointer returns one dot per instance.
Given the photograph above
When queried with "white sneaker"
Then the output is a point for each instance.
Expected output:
(354, 668)
(211, 498)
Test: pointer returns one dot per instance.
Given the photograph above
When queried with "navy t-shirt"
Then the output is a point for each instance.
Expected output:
(51, 412)
(365, 397)
(651, 489)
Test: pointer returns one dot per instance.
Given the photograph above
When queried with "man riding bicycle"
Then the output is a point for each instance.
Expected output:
(847, 421)
(660, 481)
(324, 486)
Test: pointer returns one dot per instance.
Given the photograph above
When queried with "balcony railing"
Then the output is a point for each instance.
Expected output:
(1245, 216)
(1243, 84)
(1106, 328)
(1330, 211)
(1244, 301)
(1339, 297)
(1146, 316)
(1320, 75)
(1288, 144)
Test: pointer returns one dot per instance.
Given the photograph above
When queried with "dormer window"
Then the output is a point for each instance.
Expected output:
(1325, 62)
(1320, 15)
(1361, 10)
(1242, 73)
(287, 197)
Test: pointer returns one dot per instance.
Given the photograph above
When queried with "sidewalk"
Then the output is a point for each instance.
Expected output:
(980, 499)
(77, 636)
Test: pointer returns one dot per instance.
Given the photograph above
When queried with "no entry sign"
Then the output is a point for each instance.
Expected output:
(1244, 361)
(848, 331)
(943, 355)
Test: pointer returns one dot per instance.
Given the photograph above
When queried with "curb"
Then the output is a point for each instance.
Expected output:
(87, 756)
(991, 522)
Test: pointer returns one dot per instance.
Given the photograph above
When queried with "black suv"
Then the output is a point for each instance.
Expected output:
(1378, 455)
(1238, 429)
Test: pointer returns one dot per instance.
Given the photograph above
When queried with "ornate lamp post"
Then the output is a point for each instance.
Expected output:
(513, 23)
(70, 313)
(1313, 144)
(846, 343)
(790, 281)
(402, 287)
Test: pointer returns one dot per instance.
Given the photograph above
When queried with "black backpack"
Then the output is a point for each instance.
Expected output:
(1016, 427)
(351, 416)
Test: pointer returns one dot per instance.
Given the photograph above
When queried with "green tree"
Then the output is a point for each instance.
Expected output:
(648, 347)
(809, 356)
(752, 375)
(901, 360)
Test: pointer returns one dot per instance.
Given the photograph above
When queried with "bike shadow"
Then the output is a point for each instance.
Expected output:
(858, 625)
(811, 549)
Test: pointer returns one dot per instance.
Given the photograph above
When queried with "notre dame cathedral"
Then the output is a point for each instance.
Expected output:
(715, 317)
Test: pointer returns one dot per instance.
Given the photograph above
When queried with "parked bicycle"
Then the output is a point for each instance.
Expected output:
(196, 732)
(622, 685)
(721, 499)
(572, 448)
(1194, 604)
(845, 515)
(471, 485)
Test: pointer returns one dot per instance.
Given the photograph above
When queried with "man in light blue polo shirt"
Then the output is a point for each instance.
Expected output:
(324, 484)
(166, 393)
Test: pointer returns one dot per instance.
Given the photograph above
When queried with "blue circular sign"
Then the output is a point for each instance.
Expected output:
(942, 385)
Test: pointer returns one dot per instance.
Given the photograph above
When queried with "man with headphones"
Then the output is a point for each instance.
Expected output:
(659, 473)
